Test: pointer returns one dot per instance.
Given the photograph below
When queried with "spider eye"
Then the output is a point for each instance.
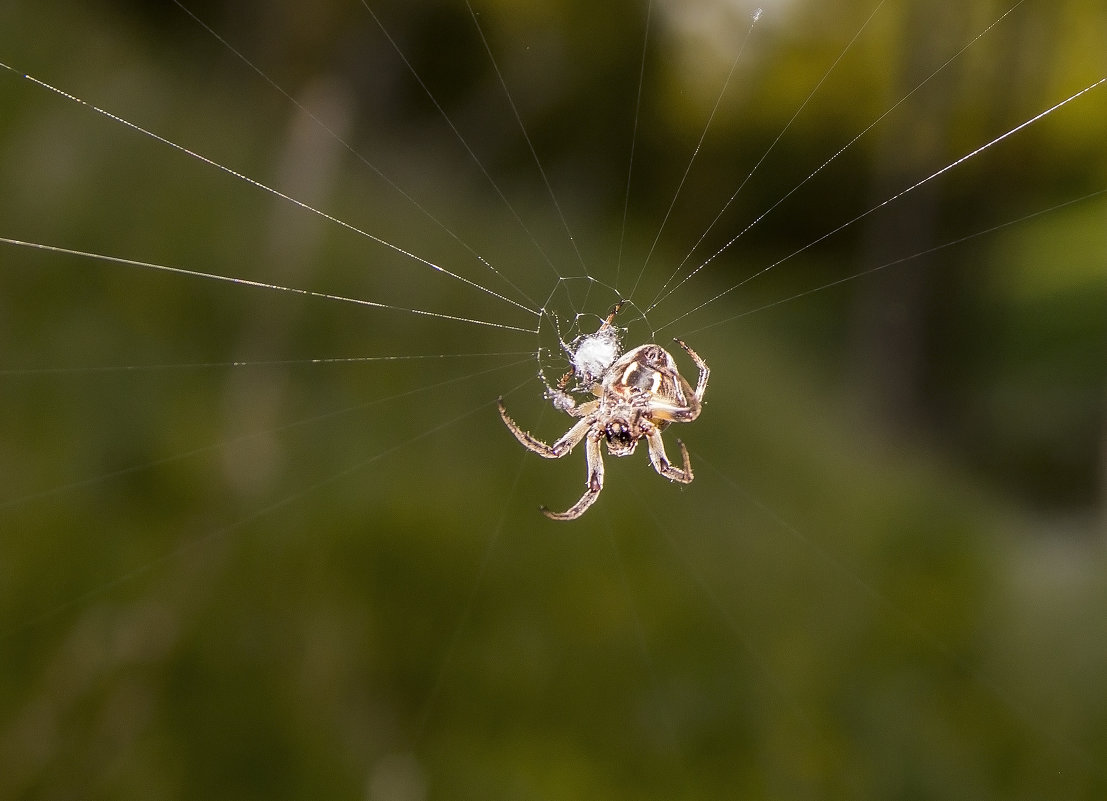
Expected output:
(618, 434)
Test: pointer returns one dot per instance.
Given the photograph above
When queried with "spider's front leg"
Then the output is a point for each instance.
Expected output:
(532, 443)
(676, 412)
(595, 480)
(705, 372)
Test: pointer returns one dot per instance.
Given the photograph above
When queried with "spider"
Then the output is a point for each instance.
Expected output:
(638, 395)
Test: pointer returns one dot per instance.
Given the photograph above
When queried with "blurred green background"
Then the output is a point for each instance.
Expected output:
(234, 567)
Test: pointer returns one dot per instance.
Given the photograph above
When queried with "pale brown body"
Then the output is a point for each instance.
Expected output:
(637, 398)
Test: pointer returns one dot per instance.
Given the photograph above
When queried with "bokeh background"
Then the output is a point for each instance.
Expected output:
(244, 556)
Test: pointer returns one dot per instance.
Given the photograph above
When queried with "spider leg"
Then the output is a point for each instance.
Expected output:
(611, 317)
(595, 481)
(673, 412)
(661, 462)
(532, 443)
(678, 412)
(701, 385)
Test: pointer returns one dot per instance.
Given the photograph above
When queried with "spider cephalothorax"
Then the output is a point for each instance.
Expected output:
(638, 395)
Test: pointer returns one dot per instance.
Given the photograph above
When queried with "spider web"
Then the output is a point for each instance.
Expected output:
(328, 365)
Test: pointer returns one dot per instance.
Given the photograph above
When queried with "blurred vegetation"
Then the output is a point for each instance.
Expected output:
(293, 578)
